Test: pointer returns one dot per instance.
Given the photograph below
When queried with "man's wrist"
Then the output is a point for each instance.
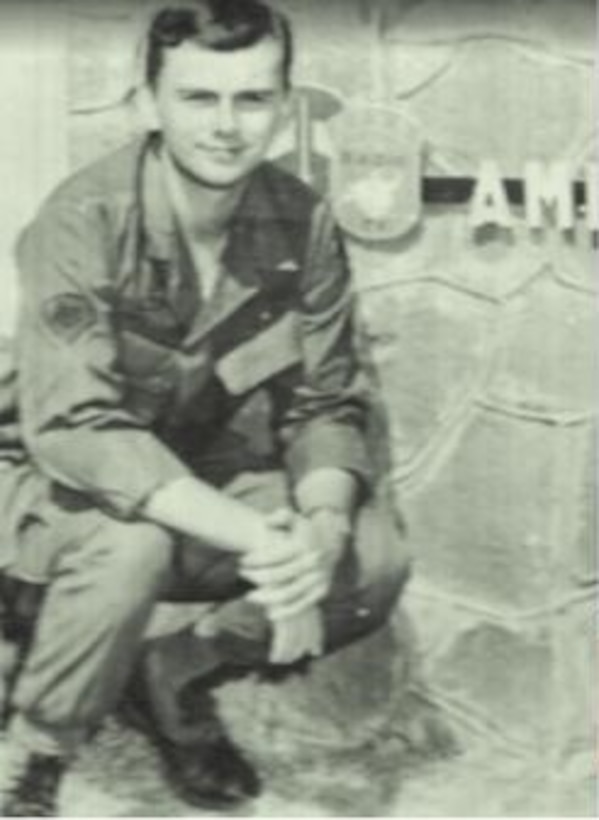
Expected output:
(337, 517)
(327, 487)
(331, 507)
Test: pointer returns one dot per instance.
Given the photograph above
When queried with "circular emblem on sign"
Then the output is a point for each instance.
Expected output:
(376, 177)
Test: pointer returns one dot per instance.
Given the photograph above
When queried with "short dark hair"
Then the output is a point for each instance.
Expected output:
(221, 25)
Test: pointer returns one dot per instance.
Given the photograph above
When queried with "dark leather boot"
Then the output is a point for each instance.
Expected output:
(210, 773)
(175, 709)
(34, 793)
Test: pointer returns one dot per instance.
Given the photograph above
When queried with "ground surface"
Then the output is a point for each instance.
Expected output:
(120, 776)
(345, 743)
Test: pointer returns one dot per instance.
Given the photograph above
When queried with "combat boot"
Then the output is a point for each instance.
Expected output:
(176, 710)
(32, 790)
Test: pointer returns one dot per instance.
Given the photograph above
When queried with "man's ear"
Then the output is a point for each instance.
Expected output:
(145, 105)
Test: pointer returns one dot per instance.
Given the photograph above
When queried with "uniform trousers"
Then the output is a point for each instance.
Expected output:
(105, 576)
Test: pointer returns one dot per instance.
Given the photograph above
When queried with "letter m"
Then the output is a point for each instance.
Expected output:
(550, 193)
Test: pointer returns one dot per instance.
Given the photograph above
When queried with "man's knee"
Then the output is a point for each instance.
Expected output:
(370, 580)
(128, 560)
(382, 558)
(140, 555)
(380, 598)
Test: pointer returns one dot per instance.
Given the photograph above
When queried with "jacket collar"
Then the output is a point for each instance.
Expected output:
(259, 225)
(260, 252)
(159, 227)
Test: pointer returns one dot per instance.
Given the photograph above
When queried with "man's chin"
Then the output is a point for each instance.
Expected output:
(218, 179)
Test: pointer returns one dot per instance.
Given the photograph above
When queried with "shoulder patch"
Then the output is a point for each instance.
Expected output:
(69, 315)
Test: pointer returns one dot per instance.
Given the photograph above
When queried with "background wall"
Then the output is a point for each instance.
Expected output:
(484, 350)
(33, 112)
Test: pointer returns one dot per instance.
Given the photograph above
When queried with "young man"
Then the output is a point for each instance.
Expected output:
(186, 421)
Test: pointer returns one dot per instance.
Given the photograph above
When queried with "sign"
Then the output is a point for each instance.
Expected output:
(377, 187)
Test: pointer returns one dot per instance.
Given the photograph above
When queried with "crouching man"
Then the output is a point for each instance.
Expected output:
(185, 421)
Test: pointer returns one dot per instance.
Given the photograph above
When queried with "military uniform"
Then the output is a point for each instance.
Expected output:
(125, 379)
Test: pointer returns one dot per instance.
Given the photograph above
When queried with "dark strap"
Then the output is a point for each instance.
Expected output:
(20, 603)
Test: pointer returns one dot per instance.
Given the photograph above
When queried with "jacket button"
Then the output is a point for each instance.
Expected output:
(265, 316)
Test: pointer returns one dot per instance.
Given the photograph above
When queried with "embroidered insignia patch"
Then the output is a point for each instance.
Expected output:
(69, 315)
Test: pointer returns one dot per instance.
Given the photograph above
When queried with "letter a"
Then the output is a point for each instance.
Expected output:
(490, 205)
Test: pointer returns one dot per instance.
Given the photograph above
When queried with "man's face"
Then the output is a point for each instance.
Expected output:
(219, 111)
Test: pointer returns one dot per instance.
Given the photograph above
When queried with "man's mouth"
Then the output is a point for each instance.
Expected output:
(223, 153)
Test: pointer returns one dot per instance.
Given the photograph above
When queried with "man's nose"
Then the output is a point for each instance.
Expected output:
(226, 117)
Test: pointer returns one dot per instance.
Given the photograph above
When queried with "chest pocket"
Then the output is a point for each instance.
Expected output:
(272, 349)
(150, 373)
(151, 318)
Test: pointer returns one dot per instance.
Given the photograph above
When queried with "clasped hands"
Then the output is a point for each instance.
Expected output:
(293, 572)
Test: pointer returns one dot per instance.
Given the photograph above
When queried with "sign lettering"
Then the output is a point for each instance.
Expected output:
(490, 204)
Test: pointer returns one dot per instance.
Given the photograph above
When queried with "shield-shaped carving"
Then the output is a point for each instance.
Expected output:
(376, 173)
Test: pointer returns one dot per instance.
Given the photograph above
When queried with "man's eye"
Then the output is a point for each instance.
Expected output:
(255, 100)
(200, 97)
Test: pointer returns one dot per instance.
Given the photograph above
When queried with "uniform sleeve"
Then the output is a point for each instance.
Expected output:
(73, 415)
(325, 425)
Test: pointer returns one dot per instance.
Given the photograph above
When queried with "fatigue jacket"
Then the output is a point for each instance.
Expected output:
(116, 353)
